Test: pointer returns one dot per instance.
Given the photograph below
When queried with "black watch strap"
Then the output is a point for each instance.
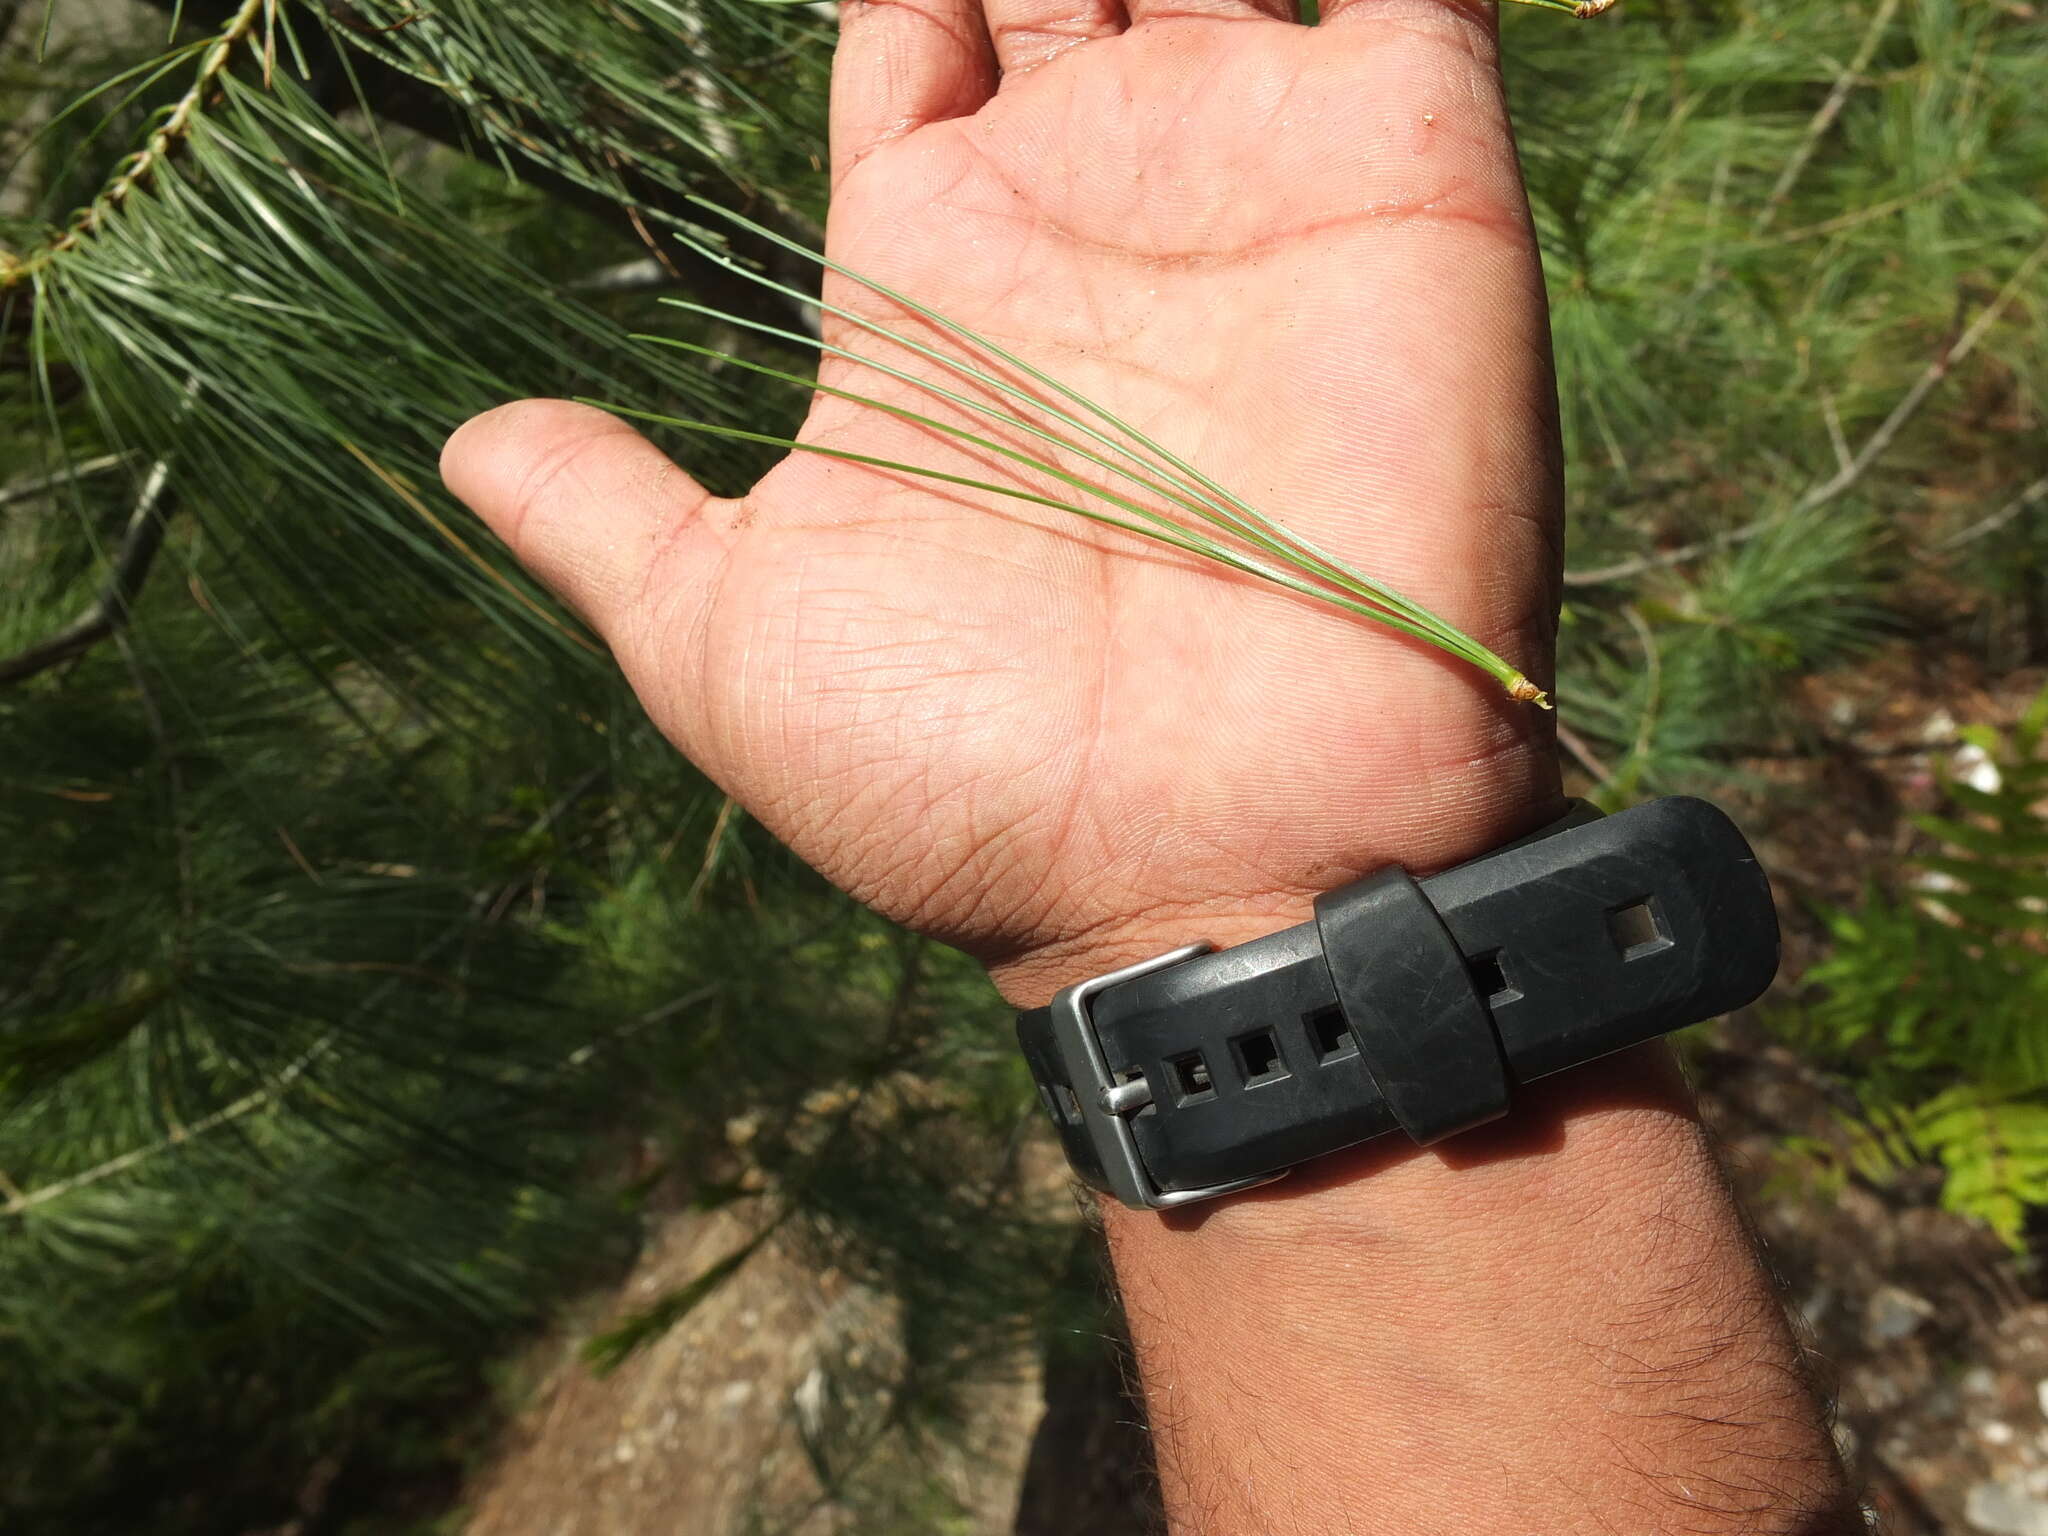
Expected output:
(1412, 1005)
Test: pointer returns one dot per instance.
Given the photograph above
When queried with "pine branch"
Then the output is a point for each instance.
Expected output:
(110, 611)
(1850, 473)
(404, 99)
(1582, 753)
(14, 1200)
(237, 29)
(177, 1136)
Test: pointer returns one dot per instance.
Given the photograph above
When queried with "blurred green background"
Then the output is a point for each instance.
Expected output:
(376, 987)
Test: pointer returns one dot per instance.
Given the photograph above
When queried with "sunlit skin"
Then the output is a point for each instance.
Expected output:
(1301, 259)
(1290, 254)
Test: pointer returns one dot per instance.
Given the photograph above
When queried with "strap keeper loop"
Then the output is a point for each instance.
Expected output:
(1406, 990)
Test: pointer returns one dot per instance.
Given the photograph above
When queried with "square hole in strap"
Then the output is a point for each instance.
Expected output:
(1258, 1055)
(1490, 978)
(1330, 1032)
(1191, 1080)
(1637, 930)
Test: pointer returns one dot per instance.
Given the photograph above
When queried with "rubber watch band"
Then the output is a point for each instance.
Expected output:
(1409, 1005)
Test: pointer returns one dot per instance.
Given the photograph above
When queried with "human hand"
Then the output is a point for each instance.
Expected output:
(1301, 259)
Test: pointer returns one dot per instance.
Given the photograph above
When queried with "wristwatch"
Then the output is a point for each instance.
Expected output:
(1410, 1005)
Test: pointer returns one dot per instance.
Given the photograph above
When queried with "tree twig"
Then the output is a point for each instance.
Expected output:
(109, 612)
(137, 169)
(272, 1095)
(1869, 213)
(177, 1136)
(1824, 119)
(2032, 496)
(28, 490)
(1582, 753)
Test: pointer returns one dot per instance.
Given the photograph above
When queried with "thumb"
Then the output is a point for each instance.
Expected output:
(609, 524)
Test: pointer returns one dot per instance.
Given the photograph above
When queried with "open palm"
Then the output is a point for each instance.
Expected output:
(1299, 258)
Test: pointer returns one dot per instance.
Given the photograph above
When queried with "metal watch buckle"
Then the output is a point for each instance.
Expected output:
(1107, 1105)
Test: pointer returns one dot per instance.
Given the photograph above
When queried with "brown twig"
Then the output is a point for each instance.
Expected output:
(2032, 496)
(1824, 119)
(1581, 753)
(140, 166)
(1874, 211)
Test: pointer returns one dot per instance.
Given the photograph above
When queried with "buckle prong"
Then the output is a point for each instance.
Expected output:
(1106, 1104)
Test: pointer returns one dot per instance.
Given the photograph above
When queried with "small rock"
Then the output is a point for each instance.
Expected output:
(1979, 1381)
(809, 1399)
(2041, 1394)
(1939, 1402)
(2004, 1509)
(1893, 1314)
(1973, 766)
(1996, 1432)
(1873, 1390)
(1818, 1303)
(1847, 1442)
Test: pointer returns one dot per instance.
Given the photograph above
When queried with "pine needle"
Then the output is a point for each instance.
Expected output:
(411, 498)
(1181, 498)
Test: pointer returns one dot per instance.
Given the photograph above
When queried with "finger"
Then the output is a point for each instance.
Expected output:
(1028, 33)
(902, 64)
(1219, 10)
(1473, 25)
(589, 506)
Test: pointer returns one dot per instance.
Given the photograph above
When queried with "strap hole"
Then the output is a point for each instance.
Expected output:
(1259, 1057)
(1636, 930)
(1490, 977)
(1191, 1078)
(1331, 1032)
(1068, 1108)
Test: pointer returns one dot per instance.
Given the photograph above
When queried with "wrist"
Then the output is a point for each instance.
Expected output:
(1465, 819)
(1535, 1324)
(1531, 1323)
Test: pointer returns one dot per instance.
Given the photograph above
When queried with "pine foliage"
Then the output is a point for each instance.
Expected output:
(367, 957)
(1797, 262)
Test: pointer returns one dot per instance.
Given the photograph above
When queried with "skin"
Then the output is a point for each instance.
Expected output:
(1301, 258)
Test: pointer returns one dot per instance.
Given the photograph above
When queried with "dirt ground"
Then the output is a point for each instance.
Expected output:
(725, 1424)
(1923, 1326)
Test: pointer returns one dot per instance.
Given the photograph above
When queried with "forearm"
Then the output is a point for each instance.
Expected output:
(1557, 1324)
